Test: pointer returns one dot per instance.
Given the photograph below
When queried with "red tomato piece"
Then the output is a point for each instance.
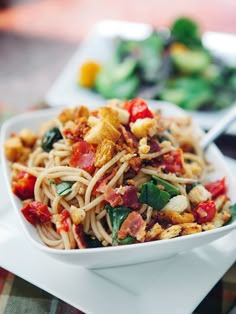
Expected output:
(83, 156)
(23, 185)
(138, 109)
(36, 212)
(205, 212)
(64, 215)
(216, 188)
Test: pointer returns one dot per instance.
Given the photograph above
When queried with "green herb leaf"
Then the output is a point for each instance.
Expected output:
(128, 240)
(117, 215)
(64, 188)
(169, 188)
(50, 137)
(152, 196)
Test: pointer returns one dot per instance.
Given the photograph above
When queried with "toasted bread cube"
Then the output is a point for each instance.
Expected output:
(77, 215)
(177, 203)
(190, 228)
(27, 137)
(13, 148)
(104, 152)
(170, 232)
(144, 127)
(102, 130)
(199, 194)
(155, 231)
(109, 114)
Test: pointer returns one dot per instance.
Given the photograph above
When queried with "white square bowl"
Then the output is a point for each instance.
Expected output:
(121, 255)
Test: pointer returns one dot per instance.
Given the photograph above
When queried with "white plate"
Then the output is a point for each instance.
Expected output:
(159, 286)
(99, 46)
(121, 255)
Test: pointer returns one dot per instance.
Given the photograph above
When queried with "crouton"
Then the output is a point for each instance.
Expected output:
(104, 152)
(27, 137)
(13, 148)
(190, 228)
(177, 203)
(77, 215)
(155, 231)
(199, 194)
(109, 114)
(100, 131)
(173, 217)
(144, 127)
(170, 232)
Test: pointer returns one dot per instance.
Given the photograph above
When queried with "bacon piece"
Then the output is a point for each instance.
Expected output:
(129, 138)
(78, 232)
(154, 146)
(83, 156)
(101, 184)
(133, 225)
(130, 197)
(113, 198)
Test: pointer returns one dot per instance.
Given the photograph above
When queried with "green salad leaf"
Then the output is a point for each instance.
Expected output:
(169, 188)
(117, 216)
(153, 196)
(64, 187)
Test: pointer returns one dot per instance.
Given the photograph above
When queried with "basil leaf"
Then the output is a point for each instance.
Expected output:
(64, 188)
(50, 137)
(152, 196)
(117, 215)
(169, 188)
(128, 240)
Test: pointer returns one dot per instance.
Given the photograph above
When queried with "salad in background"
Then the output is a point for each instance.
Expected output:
(171, 65)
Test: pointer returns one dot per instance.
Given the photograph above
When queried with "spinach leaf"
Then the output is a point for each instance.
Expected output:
(128, 240)
(64, 188)
(169, 188)
(50, 137)
(152, 196)
(117, 215)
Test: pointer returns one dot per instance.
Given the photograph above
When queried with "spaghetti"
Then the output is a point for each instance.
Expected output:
(119, 175)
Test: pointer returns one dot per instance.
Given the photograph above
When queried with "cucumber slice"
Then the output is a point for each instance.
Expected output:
(191, 61)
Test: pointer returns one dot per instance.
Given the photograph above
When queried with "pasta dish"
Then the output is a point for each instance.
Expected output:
(117, 175)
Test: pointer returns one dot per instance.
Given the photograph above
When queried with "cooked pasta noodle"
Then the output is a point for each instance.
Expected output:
(114, 176)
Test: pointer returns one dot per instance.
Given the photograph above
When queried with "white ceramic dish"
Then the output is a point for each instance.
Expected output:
(99, 46)
(122, 255)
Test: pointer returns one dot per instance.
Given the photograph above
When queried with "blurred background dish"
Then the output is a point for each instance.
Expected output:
(132, 59)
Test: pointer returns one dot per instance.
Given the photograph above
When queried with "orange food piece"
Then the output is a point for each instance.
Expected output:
(88, 73)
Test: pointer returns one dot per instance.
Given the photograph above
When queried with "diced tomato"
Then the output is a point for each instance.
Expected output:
(23, 185)
(216, 187)
(64, 215)
(36, 212)
(172, 161)
(205, 212)
(83, 156)
(138, 109)
(133, 225)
